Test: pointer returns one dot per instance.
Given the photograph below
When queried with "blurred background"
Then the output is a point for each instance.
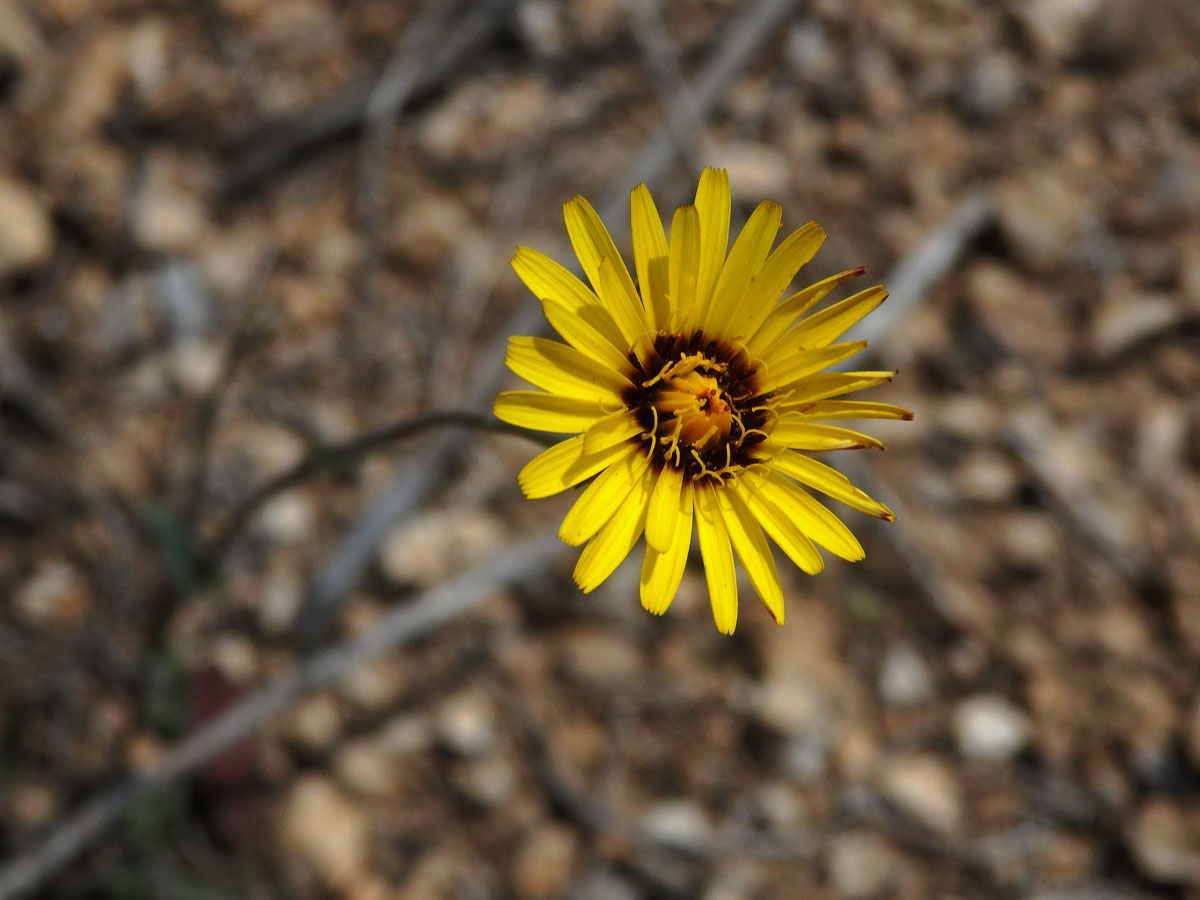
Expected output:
(235, 234)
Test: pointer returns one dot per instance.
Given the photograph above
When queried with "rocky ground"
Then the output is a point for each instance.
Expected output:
(210, 268)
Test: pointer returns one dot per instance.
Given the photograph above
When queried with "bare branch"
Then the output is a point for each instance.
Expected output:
(911, 280)
(280, 143)
(423, 615)
(324, 459)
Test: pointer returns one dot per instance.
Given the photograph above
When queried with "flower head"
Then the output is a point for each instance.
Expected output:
(694, 395)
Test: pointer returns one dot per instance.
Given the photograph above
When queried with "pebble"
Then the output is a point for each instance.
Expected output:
(406, 734)
(487, 117)
(987, 477)
(810, 53)
(366, 768)
(605, 886)
(805, 757)
(1030, 538)
(992, 86)
(988, 727)
(1058, 26)
(904, 678)
(237, 657)
(429, 231)
(316, 723)
(374, 685)
(597, 21)
(1020, 313)
(288, 518)
(1164, 844)
(31, 803)
(925, 788)
(26, 232)
(167, 216)
(860, 865)
(1162, 438)
(543, 865)
(678, 823)
(1042, 218)
(598, 656)
(756, 171)
(149, 54)
(736, 881)
(434, 545)
(279, 601)
(55, 595)
(326, 829)
(466, 724)
(488, 782)
(1126, 320)
(541, 26)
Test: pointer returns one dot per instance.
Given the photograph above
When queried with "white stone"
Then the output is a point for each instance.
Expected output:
(904, 679)
(861, 865)
(466, 724)
(55, 594)
(326, 829)
(1163, 845)
(989, 727)
(925, 788)
(287, 519)
(680, 823)
(542, 868)
(26, 232)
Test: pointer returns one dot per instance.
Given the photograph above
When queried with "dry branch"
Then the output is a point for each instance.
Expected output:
(414, 620)
(278, 144)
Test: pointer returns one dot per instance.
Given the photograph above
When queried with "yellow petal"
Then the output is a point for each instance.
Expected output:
(718, 559)
(650, 255)
(784, 316)
(820, 329)
(551, 281)
(713, 206)
(829, 384)
(784, 372)
(664, 508)
(811, 517)
(825, 410)
(600, 499)
(776, 274)
(613, 542)
(829, 480)
(564, 370)
(564, 465)
(752, 549)
(783, 531)
(623, 304)
(576, 331)
(684, 266)
(745, 260)
(662, 572)
(593, 245)
(547, 412)
(614, 428)
(799, 434)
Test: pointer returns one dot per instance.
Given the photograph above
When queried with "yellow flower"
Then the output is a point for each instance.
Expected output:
(693, 396)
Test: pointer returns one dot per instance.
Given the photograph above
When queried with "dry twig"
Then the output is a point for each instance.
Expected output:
(414, 620)
(277, 144)
(324, 459)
